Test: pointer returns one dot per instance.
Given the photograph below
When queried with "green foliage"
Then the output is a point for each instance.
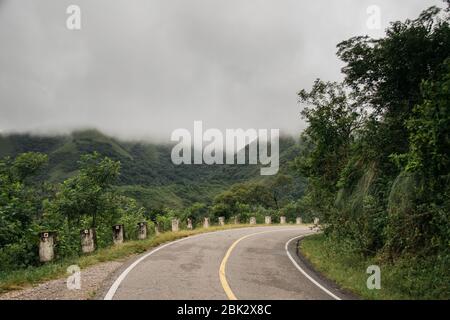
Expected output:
(377, 156)
(147, 172)
(253, 199)
(86, 194)
(410, 277)
(84, 200)
(251, 194)
(429, 129)
(196, 212)
(420, 215)
(385, 75)
(20, 205)
(164, 222)
(332, 122)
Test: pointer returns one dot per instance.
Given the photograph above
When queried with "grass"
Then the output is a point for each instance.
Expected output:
(406, 279)
(20, 279)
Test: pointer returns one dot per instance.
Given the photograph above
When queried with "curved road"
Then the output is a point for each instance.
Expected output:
(249, 263)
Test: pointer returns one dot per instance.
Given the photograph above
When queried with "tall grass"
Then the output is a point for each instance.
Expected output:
(407, 278)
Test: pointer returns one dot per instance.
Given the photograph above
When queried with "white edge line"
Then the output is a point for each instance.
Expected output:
(113, 289)
(304, 272)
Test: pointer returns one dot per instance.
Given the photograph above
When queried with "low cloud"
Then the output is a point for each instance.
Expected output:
(140, 69)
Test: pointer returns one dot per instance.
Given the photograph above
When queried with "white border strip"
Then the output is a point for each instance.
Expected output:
(304, 272)
(112, 291)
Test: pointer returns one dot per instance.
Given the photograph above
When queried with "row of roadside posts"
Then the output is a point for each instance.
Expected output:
(87, 236)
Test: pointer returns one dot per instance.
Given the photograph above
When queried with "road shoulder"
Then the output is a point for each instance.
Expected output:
(303, 263)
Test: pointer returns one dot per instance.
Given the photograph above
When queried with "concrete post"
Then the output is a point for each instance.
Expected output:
(46, 246)
(282, 220)
(206, 223)
(236, 220)
(87, 240)
(268, 220)
(298, 220)
(316, 221)
(189, 224)
(252, 220)
(142, 230)
(221, 221)
(157, 228)
(118, 234)
(175, 225)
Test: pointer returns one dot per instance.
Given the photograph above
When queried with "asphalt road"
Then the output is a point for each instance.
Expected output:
(251, 263)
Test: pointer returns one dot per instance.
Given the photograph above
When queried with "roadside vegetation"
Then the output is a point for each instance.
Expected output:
(21, 278)
(378, 161)
(90, 199)
(399, 281)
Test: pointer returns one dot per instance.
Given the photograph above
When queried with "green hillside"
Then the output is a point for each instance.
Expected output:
(147, 172)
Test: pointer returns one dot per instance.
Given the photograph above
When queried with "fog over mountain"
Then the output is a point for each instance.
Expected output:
(140, 69)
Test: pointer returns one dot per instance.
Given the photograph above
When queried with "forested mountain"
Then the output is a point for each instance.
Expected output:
(147, 172)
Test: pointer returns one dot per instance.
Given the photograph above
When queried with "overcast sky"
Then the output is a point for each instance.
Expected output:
(140, 68)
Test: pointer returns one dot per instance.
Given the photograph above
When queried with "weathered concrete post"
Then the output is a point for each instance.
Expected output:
(118, 234)
(252, 220)
(316, 221)
(282, 220)
(268, 220)
(142, 230)
(46, 246)
(236, 220)
(206, 223)
(189, 224)
(87, 240)
(175, 225)
(298, 220)
(221, 221)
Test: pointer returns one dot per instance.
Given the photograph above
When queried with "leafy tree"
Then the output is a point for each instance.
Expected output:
(19, 199)
(279, 185)
(427, 165)
(385, 74)
(251, 194)
(376, 154)
(86, 194)
(20, 204)
(429, 130)
(333, 119)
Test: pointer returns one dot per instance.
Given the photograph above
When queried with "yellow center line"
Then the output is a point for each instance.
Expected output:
(222, 275)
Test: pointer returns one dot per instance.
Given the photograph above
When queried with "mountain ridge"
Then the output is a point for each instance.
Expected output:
(147, 172)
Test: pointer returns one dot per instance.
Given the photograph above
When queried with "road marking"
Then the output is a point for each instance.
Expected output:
(304, 272)
(222, 274)
(113, 289)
